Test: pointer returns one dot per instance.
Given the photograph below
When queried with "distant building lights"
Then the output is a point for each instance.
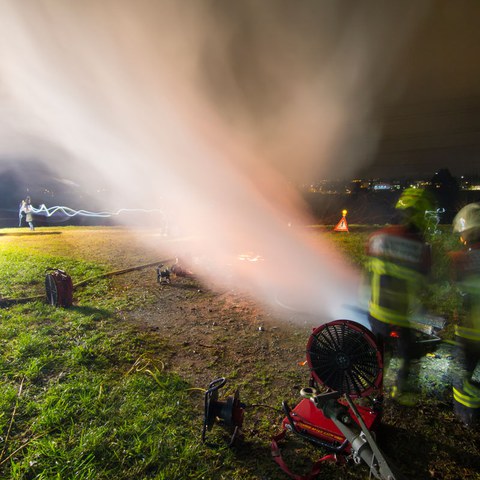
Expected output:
(382, 186)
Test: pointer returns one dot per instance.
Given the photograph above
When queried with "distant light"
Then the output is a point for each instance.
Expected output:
(382, 186)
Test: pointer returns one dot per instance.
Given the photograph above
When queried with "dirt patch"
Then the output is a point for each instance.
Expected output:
(204, 334)
(227, 334)
(220, 334)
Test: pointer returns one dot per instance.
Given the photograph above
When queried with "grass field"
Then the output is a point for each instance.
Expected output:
(87, 393)
(81, 398)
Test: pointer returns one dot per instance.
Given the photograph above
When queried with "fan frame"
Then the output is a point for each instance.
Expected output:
(369, 338)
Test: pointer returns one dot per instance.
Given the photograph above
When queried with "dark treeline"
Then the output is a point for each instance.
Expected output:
(378, 207)
(371, 208)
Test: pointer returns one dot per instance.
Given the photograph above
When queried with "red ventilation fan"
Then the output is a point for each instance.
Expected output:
(344, 359)
(343, 356)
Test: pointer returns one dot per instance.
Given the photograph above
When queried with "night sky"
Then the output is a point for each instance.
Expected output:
(414, 95)
(435, 120)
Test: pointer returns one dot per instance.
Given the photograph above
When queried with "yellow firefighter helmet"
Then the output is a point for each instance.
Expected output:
(413, 203)
(467, 223)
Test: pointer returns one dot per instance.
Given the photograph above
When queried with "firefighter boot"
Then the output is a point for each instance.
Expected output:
(405, 391)
(466, 403)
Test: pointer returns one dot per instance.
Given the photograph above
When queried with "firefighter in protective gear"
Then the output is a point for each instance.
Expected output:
(399, 260)
(466, 269)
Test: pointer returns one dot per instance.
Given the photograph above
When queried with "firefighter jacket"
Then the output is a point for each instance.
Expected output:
(398, 261)
(466, 270)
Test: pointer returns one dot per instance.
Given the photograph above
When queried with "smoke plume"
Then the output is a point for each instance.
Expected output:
(210, 110)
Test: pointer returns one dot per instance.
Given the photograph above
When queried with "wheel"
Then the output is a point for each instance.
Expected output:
(51, 289)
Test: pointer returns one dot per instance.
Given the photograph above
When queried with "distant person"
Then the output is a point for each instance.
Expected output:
(399, 260)
(28, 213)
(21, 212)
(466, 269)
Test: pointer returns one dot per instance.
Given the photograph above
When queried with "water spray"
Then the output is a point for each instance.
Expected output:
(217, 109)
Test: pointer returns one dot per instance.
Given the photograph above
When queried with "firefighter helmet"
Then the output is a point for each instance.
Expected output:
(413, 203)
(467, 222)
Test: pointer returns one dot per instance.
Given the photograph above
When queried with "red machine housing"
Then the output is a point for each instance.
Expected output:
(309, 421)
(343, 357)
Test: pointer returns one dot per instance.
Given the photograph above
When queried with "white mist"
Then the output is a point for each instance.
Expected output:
(210, 111)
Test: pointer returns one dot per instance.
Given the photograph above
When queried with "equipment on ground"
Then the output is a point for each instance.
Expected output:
(345, 360)
(163, 276)
(229, 413)
(179, 270)
(59, 288)
(346, 364)
(342, 225)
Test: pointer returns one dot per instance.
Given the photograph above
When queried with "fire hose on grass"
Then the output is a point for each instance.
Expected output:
(59, 285)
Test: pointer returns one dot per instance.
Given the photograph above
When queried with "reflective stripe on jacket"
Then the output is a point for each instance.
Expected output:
(469, 395)
(466, 266)
(397, 264)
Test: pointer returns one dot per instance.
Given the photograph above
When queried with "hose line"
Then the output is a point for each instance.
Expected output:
(5, 302)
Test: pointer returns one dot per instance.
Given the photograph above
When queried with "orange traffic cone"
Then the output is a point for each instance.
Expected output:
(342, 225)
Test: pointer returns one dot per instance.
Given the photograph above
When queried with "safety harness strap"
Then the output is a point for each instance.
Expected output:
(468, 333)
(316, 467)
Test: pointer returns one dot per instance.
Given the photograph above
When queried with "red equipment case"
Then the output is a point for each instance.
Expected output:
(59, 288)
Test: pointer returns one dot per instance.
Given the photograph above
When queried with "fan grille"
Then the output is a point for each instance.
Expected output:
(343, 356)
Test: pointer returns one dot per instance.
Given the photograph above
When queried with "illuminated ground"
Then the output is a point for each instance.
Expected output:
(226, 333)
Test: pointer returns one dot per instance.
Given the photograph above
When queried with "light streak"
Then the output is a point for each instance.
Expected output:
(433, 219)
(70, 212)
